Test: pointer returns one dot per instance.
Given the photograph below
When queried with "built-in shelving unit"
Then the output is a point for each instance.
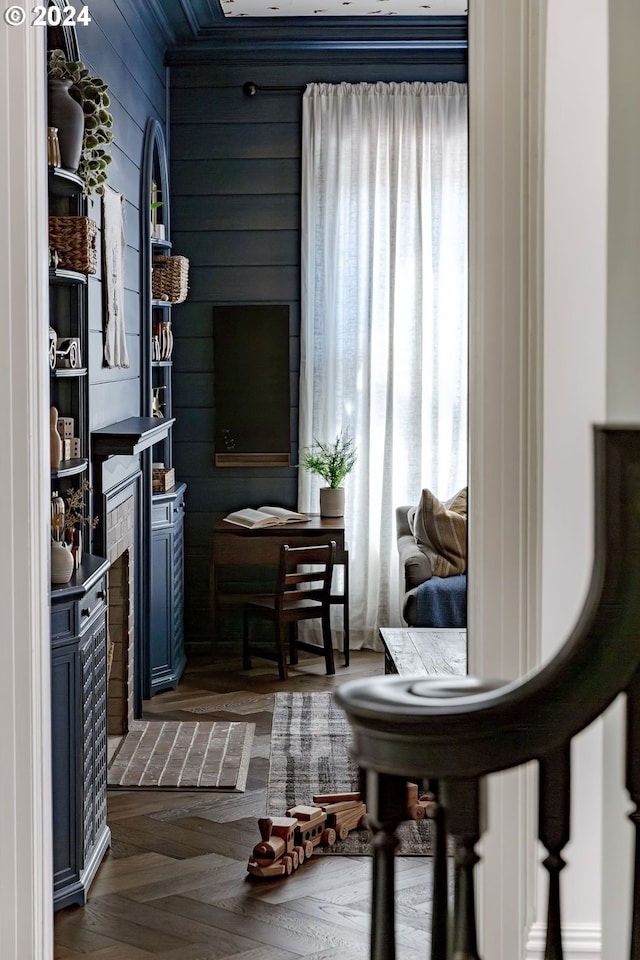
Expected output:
(166, 556)
(79, 639)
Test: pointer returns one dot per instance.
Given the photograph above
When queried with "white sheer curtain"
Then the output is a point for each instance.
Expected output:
(384, 311)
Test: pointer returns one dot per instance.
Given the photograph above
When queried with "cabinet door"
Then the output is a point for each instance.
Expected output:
(161, 645)
(94, 733)
(178, 591)
(65, 722)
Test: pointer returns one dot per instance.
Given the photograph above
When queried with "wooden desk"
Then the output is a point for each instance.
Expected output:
(429, 650)
(235, 546)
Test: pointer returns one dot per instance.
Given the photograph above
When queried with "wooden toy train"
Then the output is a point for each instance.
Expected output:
(290, 840)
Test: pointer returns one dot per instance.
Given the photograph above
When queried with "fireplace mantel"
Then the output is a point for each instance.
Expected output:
(129, 437)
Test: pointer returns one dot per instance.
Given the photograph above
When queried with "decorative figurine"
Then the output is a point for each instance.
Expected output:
(52, 348)
(55, 439)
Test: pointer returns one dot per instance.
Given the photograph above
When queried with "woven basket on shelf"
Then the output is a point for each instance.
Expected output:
(75, 241)
(170, 279)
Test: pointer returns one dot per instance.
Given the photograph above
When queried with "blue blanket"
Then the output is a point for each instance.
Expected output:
(442, 602)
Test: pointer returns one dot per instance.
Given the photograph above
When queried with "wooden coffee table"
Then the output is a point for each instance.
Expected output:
(432, 651)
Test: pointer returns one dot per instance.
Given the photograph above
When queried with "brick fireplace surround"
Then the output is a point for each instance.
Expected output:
(119, 528)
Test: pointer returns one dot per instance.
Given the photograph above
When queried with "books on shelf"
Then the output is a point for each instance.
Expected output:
(264, 517)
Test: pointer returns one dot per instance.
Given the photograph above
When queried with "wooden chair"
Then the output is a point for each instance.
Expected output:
(299, 595)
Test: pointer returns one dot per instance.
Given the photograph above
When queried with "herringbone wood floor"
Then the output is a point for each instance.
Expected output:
(174, 885)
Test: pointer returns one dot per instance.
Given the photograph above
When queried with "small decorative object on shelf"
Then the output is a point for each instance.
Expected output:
(162, 330)
(163, 478)
(53, 147)
(170, 279)
(95, 119)
(332, 462)
(75, 240)
(57, 516)
(66, 116)
(68, 353)
(54, 439)
(75, 518)
(156, 405)
(52, 348)
(70, 444)
(54, 258)
(157, 228)
(62, 562)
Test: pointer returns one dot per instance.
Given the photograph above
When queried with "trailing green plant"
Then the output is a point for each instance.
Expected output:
(331, 461)
(98, 120)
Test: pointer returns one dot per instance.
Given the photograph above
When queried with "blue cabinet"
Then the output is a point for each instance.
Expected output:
(167, 589)
(79, 730)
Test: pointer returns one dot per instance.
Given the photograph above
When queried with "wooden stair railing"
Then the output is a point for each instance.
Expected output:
(452, 732)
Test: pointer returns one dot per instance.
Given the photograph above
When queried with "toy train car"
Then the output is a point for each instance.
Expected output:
(290, 840)
(345, 812)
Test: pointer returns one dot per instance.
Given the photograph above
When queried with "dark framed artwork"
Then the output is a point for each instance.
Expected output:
(251, 388)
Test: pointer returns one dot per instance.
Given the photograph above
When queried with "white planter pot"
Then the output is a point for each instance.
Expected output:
(331, 501)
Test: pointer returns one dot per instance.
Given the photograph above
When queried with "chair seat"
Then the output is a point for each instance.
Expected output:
(290, 607)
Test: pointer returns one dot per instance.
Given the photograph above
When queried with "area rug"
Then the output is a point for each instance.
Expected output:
(310, 741)
(169, 754)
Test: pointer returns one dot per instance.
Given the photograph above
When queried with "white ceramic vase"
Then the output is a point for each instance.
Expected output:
(61, 562)
(331, 501)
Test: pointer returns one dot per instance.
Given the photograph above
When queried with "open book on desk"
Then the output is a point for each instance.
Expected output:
(264, 517)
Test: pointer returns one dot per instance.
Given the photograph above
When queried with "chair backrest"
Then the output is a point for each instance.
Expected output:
(305, 573)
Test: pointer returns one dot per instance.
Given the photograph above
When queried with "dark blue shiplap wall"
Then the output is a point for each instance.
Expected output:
(123, 46)
(235, 180)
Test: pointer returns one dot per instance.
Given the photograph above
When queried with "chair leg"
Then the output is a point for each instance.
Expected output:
(281, 639)
(328, 645)
(246, 654)
(293, 636)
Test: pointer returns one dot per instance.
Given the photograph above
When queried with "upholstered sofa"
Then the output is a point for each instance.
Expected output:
(427, 600)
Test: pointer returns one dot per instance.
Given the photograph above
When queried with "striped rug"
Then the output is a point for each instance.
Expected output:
(169, 754)
(310, 754)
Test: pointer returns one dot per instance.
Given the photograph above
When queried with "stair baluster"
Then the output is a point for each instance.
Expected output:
(436, 812)
(386, 808)
(553, 831)
(633, 788)
(462, 800)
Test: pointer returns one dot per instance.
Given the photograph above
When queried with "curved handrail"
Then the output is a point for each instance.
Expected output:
(495, 727)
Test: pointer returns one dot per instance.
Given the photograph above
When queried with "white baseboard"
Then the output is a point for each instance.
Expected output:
(580, 941)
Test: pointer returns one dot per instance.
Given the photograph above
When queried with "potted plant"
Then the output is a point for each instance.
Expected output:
(91, 93)
(333, 462)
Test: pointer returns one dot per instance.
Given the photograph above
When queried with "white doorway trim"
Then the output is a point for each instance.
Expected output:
(506, 97)
(26, 918)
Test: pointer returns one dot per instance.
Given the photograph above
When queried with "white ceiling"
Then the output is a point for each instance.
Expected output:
(350, 8)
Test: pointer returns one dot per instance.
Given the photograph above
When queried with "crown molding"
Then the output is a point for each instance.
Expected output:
(262, 38)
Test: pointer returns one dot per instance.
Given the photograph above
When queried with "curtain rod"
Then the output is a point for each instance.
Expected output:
(250, 89)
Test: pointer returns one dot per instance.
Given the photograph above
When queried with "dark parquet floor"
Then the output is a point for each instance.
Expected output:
(174, 884)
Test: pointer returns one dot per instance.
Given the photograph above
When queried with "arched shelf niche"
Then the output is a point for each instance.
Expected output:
(154, 236)
(63, 37)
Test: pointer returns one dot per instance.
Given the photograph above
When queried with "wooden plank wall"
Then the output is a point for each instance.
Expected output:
(235, 180)
(123, 46)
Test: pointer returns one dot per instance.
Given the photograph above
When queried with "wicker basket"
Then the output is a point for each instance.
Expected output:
(170, 279)
(75, 241)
